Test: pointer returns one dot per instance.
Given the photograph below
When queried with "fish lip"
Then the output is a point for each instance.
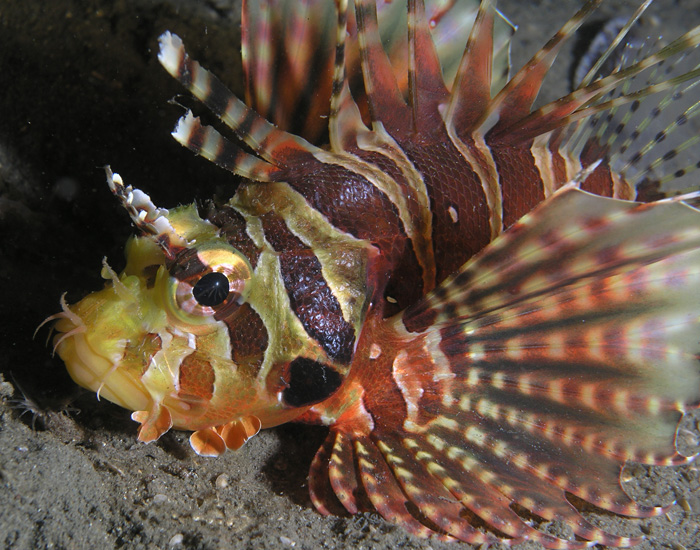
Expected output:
(90, 367)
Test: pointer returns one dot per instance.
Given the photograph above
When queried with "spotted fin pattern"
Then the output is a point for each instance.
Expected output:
(493, 306)
(531, 374)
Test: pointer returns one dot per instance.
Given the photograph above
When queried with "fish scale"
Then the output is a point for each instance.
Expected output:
(459, 285)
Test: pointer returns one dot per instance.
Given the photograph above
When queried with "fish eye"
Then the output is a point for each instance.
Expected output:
(207, 288)
(211, 290)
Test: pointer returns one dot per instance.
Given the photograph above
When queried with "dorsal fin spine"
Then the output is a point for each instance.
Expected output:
(471, 91)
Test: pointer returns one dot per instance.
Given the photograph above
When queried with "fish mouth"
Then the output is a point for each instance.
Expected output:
(92, 360)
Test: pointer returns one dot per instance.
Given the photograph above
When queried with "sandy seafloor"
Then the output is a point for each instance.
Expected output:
(80, 87)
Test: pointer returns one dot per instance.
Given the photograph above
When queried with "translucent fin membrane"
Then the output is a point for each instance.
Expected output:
(527, 379)
(659, 81)
(575, 106)
(609, 53)
(568, 346)
(283, 42)
(386, 100)
(635, 119)
(515, 101)
(471, 91)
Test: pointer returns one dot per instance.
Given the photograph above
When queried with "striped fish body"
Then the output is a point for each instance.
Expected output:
(461, 287)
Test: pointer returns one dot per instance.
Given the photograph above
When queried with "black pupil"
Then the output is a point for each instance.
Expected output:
(211, 290)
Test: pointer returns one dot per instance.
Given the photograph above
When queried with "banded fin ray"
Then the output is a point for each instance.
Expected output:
(409, 103)
(272, 145)
(575, 106)
(609, 53)
(600, 120)
(386, 101)
(345, 122)
(516, 99)
(526, 379)
(471, 90)
(282, 42)
(615, 118)
(207, 142)
(426, 88)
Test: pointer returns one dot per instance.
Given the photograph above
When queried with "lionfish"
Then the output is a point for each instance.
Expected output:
(493, 306)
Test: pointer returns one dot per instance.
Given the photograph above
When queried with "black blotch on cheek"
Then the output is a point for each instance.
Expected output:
(310, 382)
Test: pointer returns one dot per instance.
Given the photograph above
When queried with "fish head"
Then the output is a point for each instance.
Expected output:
(188, 335)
